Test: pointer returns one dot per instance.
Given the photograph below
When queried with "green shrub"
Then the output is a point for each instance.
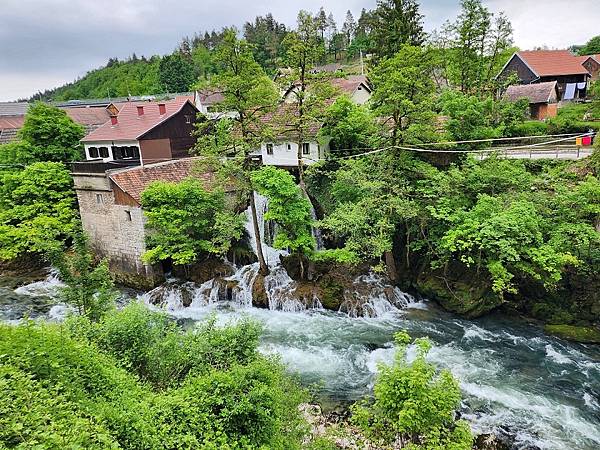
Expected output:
(66, 386)
(530, 128)
(414, 404)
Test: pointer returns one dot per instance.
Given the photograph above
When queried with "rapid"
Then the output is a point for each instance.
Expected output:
(539, 391)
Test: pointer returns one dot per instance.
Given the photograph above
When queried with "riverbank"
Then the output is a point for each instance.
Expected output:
(540, 390)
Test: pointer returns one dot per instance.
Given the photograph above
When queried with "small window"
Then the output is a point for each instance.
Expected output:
(117, 152)
(359, 88)
(305, 148)
(93, 151)
(289, 146)
(128, 216)
(188, 118)
(99, 199)
(103, 152)
(136, 152)
(269, 149)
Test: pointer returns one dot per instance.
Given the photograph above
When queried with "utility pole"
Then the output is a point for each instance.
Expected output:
(362, 66)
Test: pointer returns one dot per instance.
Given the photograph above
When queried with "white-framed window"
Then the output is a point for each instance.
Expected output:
(93, 151)
(269, 149)
(99, 199)
(103, 152)
(188, 118)
(306, 148)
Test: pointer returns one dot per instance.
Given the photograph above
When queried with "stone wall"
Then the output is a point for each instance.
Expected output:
(116, 232)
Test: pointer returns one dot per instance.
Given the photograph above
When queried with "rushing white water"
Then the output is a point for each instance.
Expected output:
(539, 391)
(45, 288)
(271, 255)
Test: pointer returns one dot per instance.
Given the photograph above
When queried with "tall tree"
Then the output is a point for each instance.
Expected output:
(403, 91)
(477, 42)
(591, 47)
(348, 29)
(266, 35)
(309, 91)
(395, 23)
(176, 73)
(250, 94)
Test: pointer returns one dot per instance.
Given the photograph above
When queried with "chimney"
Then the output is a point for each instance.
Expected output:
(140, 110)
(162, 109)
(113, 120)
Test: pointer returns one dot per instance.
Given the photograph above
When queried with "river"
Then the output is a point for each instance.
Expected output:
(542, 391)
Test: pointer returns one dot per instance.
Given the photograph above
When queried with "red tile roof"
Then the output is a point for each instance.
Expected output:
(210, 97)
(131, 126)
(536, 92)
(88, 116)
(7, 122)
(349, 84)
(553, 62)
(279, 120)
(135, 180)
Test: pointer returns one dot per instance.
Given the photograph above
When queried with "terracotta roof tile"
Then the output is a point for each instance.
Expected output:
(131, 126)
(135, 180)
(535, 92)
(88, 116)
(552, 62)
(349, 84)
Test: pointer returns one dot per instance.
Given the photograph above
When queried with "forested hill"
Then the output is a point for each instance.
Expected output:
(193, 58)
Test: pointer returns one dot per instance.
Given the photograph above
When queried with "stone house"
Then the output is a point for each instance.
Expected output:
(112, 216)
(543, 98)
(539, 66)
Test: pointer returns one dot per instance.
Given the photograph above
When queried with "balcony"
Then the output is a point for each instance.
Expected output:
(98, 166)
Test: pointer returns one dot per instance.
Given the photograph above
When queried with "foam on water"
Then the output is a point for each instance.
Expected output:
(45, 288)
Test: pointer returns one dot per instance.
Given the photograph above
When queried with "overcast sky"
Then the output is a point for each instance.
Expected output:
(46, 43)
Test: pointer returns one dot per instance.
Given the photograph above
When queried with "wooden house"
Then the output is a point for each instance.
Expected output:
(539, 66)
(145, 131)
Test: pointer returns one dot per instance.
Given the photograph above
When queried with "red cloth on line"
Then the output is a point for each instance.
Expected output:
(586, 140)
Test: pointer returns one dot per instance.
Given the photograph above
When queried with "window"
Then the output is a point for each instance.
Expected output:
(93, 151)
(188, 118)
(99, 199)
(128, 216)
(289, 146)
(305, 148)
(103, 152)
(117, 152)
(359, 88)
(269, 149)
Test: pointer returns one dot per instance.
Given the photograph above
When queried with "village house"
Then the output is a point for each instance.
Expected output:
(356, 87)
(282, 149)
(542, 97)
(592, 65)
(111, 213)
(145, 132)
(540, 66)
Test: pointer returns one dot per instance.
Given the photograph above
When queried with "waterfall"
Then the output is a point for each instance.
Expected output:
(272, 255)
(370, 296)
(316, 232)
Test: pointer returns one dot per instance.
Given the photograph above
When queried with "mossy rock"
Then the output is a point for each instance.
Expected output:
(588, 335)
(332, 293)
(467, 300)
(259, 293)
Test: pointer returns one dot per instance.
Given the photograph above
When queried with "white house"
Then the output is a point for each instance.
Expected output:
(354, 86)
(284, 153)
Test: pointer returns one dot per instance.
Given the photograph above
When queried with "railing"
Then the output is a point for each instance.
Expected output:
(554, 152)
(99, 166)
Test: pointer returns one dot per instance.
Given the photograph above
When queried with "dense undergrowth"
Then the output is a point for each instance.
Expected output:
(135, 380)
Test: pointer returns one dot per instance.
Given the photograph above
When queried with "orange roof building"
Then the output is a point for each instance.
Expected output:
(539, 66)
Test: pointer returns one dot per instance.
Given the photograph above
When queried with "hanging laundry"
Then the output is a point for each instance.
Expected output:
(570, 91)
(578, 142)
(586, 140)
(581, 86)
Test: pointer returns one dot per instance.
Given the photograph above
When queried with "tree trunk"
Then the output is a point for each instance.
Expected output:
(263, 268)
(391, 266)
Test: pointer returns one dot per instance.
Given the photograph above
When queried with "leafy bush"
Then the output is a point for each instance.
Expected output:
(530, 128)
(414, 404)
(215, 390)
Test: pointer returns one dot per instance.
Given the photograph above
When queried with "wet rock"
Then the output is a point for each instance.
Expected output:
(588, 335)
(490, 442)
(260, 298)
(204, 271)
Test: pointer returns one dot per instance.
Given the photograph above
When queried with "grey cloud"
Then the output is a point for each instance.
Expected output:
(62, 39)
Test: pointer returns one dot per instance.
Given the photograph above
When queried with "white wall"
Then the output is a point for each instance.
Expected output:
(286, 154)
(107, 144)
(361, 95)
